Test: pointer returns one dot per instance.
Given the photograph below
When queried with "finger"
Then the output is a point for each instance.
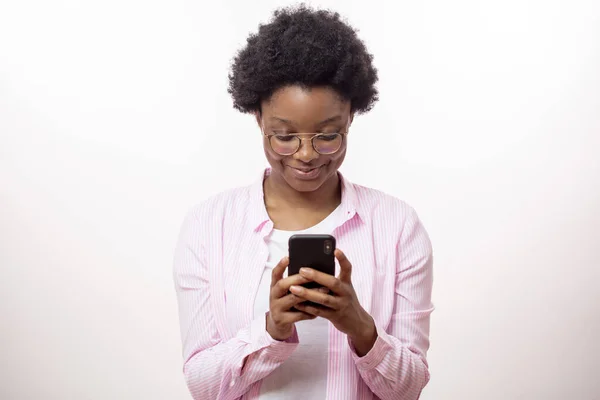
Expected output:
(317, 311)
(345, 266)
(286, 302)
(329, 281)
(282, 286)
(296, 316)
(316, 296)
(277, 273)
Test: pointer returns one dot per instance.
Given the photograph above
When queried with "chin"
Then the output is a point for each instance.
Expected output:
(303, 186)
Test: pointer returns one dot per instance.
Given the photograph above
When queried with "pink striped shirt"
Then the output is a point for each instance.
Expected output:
(218, 264)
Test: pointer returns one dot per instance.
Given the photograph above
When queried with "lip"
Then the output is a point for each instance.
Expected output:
(306, 173)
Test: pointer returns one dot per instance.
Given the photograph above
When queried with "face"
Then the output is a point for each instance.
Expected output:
(293, 109)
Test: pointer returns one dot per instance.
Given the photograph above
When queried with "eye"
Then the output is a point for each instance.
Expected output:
(284, 138)
(328, 136)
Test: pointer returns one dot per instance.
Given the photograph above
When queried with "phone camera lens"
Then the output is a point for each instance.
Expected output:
(328, 247)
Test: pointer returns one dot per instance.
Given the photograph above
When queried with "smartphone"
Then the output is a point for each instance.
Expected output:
(314, 251)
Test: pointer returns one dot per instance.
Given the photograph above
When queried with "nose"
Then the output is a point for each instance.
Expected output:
(306, 153)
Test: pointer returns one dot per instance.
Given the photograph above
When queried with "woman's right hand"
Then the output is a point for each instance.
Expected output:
(280, 320)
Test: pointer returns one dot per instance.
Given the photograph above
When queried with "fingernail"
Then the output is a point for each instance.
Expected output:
(305, 271)
(295, 289)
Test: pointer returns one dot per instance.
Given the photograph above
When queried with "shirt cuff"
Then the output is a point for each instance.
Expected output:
(261, 339)
(375, 355)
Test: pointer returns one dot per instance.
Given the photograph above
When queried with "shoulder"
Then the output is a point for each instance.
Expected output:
(226, 203)
(380, 206)
(390, 217)
(396, 222)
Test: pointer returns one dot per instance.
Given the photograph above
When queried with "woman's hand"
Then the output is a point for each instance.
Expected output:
(341, 308)
(280, 320)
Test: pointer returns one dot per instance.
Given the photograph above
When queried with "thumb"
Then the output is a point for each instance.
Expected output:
(278, 270)
(345, 266)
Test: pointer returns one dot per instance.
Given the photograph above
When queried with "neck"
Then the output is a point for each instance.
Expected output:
(278, 192)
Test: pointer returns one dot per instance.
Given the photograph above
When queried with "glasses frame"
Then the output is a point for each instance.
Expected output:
(312, 143)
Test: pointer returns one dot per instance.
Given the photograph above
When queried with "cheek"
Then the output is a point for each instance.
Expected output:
(271, 156)
(338, 158)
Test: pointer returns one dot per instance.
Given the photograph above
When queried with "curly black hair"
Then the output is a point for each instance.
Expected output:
(305, 47)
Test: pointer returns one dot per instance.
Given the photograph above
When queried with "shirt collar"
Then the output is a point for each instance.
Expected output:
(259, 216)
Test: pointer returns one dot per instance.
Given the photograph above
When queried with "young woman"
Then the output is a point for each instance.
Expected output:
(246, 329)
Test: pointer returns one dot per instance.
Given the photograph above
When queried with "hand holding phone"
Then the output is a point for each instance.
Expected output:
(282, 315)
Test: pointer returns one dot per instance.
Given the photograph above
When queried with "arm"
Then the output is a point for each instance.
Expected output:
(215, 368)
(396, 367)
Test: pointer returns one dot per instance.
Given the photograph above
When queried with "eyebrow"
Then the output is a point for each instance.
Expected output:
(331, 119)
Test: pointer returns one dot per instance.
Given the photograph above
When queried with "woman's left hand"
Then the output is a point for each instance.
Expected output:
(342, 307)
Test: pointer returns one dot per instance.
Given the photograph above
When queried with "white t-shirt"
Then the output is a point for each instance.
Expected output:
(304, 374)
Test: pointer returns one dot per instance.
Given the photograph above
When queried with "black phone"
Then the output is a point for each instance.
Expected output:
(313, 251)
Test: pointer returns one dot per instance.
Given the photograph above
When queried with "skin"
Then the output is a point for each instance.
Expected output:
(296, 203)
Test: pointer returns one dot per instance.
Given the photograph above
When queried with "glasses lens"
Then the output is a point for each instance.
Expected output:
(285, 144)
(328, 143)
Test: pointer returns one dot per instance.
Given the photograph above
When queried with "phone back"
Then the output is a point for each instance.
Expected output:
(314, 251)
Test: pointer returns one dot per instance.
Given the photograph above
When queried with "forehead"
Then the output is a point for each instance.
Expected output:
(305, 106)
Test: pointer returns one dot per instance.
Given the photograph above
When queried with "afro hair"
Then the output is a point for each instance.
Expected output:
(306, 47)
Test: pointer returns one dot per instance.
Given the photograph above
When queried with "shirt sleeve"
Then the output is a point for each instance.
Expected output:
(396, 366)
(215, 368)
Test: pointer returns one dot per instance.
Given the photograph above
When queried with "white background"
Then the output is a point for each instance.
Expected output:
(114, 120)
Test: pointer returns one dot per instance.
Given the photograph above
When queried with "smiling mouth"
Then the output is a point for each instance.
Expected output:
(305, 170)
(306, 173)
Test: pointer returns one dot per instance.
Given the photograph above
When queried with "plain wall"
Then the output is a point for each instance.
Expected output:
(113, 117)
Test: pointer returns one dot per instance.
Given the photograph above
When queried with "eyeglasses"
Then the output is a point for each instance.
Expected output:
(322, 143)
